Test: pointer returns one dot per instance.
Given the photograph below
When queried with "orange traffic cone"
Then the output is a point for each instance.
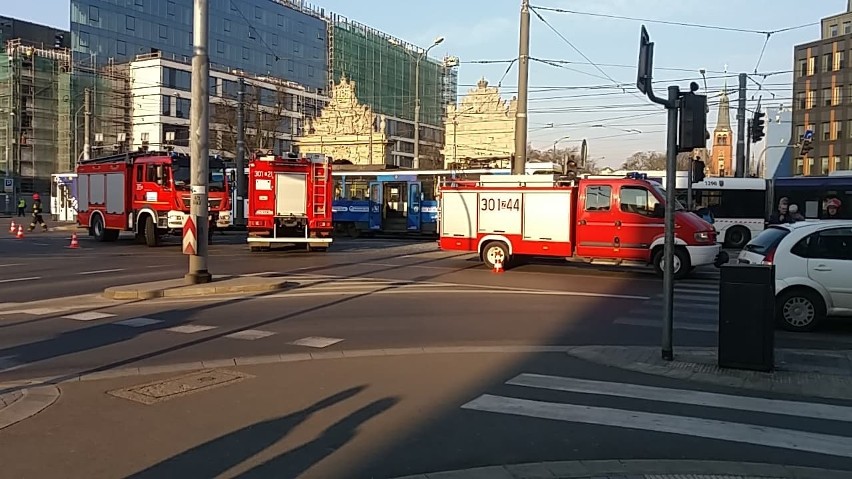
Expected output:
(12, 228)
(20, 234)
(498, 264)
(74, 243)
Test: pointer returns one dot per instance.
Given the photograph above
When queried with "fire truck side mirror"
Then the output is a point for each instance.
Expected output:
(659, 211)
(161, 174)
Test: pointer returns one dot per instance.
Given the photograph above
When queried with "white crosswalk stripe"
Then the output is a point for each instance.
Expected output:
(686, 425)
(696, 307)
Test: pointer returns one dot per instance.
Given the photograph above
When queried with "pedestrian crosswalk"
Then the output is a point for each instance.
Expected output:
(696, 306)
(796, 425)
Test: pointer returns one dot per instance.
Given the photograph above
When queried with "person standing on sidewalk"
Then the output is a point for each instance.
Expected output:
(37, 212)
(22, 207)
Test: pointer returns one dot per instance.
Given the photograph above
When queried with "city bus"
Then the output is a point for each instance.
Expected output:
(812, 194)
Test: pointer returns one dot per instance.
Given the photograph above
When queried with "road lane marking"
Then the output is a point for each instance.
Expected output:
(9, 265)
(101, 271)
(666, 423)
(138, 322)
(316, 342)
(250, 334)
(15, 280)
(685, 396)
(88, 316)
(190, 328)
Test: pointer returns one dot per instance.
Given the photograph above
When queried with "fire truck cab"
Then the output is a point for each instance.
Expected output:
(614, 220)
(290, 201)
(146, 192)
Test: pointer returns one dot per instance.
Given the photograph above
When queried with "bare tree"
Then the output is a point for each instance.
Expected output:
(653, 160)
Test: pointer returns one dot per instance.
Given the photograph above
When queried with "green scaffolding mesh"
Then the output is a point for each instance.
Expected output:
(383, 70)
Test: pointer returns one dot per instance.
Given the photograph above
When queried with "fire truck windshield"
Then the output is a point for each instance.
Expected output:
(182, 178)
(662, 194)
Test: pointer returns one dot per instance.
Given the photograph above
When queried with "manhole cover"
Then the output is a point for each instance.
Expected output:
(163, 390)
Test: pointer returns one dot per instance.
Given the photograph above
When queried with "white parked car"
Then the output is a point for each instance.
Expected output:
(813, 270)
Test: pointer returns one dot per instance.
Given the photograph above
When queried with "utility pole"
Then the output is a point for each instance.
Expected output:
(741, 128)
(424, 54)
(240, 186)
(747, 163)
(87, 123)
(521, 120)
(198, 143)
(689, 179)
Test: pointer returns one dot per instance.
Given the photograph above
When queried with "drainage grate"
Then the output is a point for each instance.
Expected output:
(163, 390)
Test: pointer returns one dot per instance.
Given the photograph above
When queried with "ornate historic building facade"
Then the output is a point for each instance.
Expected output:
(480, 130)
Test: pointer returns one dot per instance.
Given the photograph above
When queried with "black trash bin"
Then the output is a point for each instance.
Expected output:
(747, 317)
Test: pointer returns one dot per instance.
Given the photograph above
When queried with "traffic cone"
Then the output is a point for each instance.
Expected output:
(74, 243)
(12, 228)
(498, 264)
(20, 234)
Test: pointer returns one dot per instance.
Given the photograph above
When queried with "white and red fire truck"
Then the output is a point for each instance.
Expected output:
(290, 201)
(146, 192)
(608, 220)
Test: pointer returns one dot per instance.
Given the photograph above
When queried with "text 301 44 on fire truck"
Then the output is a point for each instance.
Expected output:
(290, 202)
(145, 192)
(600, 220)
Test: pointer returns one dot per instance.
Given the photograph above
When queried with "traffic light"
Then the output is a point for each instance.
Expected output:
(698, 171)
(807, 146)
(693, 122)
(757, 126)
(571, 169)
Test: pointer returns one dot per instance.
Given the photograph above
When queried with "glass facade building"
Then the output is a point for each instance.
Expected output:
(260, 37)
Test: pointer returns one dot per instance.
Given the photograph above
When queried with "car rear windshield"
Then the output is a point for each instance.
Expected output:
(767, 240)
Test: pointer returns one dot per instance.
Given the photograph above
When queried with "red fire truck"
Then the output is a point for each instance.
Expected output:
(289, 201)
(609, 220)
(146, 192)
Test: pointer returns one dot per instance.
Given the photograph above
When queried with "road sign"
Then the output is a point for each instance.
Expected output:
(808, 136)
(8, 185)
(190, 236)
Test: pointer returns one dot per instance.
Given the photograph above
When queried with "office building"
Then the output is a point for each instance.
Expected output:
(33, 34)
(822, 94)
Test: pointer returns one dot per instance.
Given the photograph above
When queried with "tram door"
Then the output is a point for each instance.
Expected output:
(395, 206)
(414, 196)
(376, 205)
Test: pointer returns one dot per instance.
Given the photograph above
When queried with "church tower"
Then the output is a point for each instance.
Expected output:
(721, 159)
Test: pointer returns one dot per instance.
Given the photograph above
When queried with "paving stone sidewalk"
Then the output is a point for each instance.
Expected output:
(18, 402)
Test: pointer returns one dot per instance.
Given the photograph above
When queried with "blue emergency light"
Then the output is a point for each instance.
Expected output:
(635, 175)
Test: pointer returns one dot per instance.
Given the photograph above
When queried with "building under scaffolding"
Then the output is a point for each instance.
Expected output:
(383, 69)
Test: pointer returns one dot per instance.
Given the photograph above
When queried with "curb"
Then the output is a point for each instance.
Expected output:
(177, 288)
(638, 469)
(645, 359)
(25, 403)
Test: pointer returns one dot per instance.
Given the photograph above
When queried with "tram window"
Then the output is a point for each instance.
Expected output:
(428, 190)
(358, 190)
(338, 189)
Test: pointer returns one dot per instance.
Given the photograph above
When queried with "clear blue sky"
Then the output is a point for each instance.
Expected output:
(478, 30)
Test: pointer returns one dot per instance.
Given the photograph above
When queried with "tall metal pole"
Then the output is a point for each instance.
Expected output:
(198, 143)
(669, 247)
(741, 127)
(747, 163)
(87, 124)
(240, 161)
(689, 179)
(521, 120)
(417, 110)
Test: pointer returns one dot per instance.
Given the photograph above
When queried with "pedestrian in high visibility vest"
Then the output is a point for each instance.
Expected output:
(22, 207)
(37, 212)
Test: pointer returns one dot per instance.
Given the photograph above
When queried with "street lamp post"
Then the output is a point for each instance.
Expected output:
(420, 57)
(554, 148)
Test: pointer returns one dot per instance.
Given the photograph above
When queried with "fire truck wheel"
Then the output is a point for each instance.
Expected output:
(682, 267)
(152, 238)
(493, 250)
(97, 229)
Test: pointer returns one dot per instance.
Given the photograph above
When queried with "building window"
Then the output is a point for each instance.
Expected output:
(166, 107)
(164, 31)
(140, 3)
(837, 130)
(226, 25)
(800, 100)
(274, 40)
(839, 60)
(800, 132)
(94, 14)
(811, 65)
(847, 28)
(826, 63)
(823, 166)
(170, 8)
(825, 128)
(800, 167)
(246, 54)
(269, 59)
(182, 106)
(809, 99)
(826, 96)
(83, 39)
(848, 163)
(833, 31)
(280, 20)
(130, 23)
(220, 46)
(120, 47)
(837, 95)
(802, 67)
(835, 163)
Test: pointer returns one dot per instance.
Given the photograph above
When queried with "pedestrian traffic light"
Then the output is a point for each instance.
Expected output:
(693, 122)
(757, 126)
(698, 171)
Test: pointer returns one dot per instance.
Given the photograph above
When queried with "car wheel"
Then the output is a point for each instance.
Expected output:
(800, 310)
(682, 266)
